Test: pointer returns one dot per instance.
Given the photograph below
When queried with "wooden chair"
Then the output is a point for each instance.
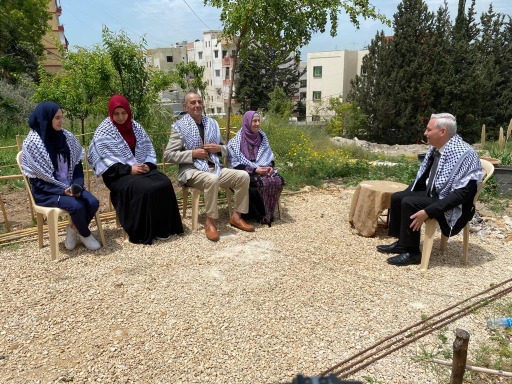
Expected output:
(195, 202)
(52, 217)
(431, 225)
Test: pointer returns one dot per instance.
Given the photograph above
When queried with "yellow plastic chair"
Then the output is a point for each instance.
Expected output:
(431, 225)
(52, 217)
(195, 202)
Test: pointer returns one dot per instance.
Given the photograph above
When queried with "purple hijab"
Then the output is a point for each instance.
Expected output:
(250, 140)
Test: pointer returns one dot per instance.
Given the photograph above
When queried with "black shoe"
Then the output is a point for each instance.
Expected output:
(405, 258)
(391, 248)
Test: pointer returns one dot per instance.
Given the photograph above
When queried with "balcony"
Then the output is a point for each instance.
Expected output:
(58, 11)
(227, 61)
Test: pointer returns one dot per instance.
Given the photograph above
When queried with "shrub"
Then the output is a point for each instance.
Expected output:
(15, 106)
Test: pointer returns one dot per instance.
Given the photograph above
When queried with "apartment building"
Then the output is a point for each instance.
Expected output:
(328, 75)
(165, 59)
(54, 39)
(216, 55)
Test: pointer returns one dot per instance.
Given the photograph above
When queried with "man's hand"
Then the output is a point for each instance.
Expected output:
(139, 169)
(417, 220)
(212, 148)
(199, 153)
(263, 171)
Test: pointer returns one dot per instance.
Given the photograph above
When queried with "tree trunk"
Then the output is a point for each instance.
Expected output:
(460, 353)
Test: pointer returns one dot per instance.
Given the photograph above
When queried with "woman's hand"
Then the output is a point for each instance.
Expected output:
(67, 192)
(139, 169)
(263, 171)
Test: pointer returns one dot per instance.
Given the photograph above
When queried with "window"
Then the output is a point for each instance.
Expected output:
(219, 109)
(227, 74)
(315, 118)
(224, 53)
(217, 73)
(233, 53)
(303, 83)
(201, 55)
(317, 71)
(302, 96)
(169, 59)
(216, 53)
(317, 95)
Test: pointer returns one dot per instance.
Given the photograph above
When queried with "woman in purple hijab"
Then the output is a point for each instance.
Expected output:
(250, 150)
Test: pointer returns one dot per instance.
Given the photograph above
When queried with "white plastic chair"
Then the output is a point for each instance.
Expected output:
(52, 217)
(195, 203)
(431, 225)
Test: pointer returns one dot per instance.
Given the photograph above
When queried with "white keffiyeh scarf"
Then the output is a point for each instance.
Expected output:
(189, 133)
(36, 163)
(458, 164)
(263, 159)
(108, 147)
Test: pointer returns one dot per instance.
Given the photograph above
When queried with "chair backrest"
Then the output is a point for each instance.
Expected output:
(25, 179)
(488, 169)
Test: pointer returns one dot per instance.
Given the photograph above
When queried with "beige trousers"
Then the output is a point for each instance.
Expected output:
(209, 183)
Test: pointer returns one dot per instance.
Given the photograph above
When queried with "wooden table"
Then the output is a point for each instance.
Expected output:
(370, 199)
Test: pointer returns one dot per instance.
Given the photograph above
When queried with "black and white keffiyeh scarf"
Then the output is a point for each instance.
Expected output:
(458, 164)
(108, 147)
(36, 163)
(189, 132)
(264, 158)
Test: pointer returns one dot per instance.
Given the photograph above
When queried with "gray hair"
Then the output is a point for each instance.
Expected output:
(445, 120)
(190, 93)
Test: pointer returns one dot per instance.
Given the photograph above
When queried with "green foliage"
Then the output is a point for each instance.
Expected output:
(433, 66)
(23, 24)
(261, 68)
(280, 104)
(189, 77)
(348, 121)
(15, 106)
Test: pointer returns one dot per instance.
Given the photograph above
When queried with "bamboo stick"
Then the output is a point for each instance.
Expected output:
(482, 137)
(475, 369)
(501, 140)
(509, 129)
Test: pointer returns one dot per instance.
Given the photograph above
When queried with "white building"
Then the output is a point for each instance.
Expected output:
(216, 55)
(328, 75)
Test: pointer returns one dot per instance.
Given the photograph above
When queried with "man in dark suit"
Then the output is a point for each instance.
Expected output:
(444, 189)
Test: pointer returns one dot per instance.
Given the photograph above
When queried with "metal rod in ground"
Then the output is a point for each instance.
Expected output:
(460, 354)
(475, 369)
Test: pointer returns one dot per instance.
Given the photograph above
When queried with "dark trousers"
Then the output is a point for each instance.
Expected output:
(81, 209)
(405, 204)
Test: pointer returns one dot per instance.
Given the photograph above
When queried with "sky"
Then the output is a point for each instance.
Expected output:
(166, 22)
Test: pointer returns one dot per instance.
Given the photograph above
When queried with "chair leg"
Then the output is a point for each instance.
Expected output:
(195, 208)
(100, 228)
(279, 208)
(428, 241)
(465, 244)
(228, 200)
(53, 231)
(184, 192)
(40, 224)
(444, 243)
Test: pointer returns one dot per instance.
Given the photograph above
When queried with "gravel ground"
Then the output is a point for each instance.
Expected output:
(253, 308)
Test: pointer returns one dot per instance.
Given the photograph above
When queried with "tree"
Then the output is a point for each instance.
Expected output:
(136, 81)
(90, 77)
(260, 70)
(279, 105)
(190, 76)
(24, 23)
(286, 23)
(348, 121)
(83, 87)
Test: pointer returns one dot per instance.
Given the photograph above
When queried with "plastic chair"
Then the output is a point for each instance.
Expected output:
(195, 202)
(431, 225)
(52, 217)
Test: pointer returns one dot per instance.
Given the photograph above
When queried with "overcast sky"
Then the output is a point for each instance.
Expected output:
(165, 22)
